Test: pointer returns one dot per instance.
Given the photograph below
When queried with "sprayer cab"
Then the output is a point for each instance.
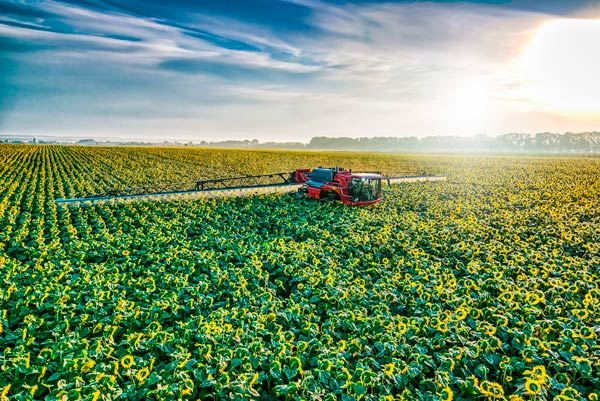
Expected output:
(331, 184)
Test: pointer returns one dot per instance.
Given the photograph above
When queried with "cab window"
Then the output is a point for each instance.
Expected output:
(365, 189)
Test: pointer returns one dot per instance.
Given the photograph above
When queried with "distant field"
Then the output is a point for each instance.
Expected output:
(484, 286)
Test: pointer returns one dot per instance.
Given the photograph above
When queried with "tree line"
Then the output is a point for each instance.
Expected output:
(540, 143)
(545, 142)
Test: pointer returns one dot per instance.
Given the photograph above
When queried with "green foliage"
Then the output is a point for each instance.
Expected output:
(484, 286)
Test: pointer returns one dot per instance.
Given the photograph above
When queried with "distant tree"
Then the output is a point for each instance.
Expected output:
(86, 142)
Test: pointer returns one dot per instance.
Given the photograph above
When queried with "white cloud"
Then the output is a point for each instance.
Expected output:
(446, 68)
(135, 40)
(232, 29)
(375, 69)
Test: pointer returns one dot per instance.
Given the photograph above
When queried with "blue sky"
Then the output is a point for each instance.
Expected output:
(282, 69)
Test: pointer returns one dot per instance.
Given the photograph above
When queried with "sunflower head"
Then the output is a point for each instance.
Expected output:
(127, 361)
(143, 374)
(533, 386)
(461, 313)
(442, 327)
(539, 373)
(491, 389)
(446, 394)
(389, 369)
(570, 393)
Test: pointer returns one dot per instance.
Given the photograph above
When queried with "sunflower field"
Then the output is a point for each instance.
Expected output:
(481, 287)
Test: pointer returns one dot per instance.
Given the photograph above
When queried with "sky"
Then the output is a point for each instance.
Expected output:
(288, 70)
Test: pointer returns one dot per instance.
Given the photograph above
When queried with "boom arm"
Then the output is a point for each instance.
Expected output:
(212, 187)
(247, 181)
(232, 186)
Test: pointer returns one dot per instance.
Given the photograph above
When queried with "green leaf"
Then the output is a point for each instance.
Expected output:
(290, 372)
(235, 362)
(482, 371)
(153, 379)
(359, 390)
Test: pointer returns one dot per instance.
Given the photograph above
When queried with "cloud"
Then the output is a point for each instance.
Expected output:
(432, 61)
(23, 12)
(156, 42)
(418, 68)
(257, 36)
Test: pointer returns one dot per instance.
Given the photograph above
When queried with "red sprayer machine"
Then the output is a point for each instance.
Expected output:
(325, 184)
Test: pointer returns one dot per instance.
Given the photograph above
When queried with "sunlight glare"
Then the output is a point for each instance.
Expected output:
(466, 110)
(561, 66)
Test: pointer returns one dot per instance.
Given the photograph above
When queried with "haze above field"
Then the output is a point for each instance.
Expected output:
(290, 70)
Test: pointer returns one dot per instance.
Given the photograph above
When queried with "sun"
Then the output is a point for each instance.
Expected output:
(561, 65)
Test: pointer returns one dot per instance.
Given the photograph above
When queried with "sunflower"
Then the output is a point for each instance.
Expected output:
(127, 361)
(5, 392)
(442, 327)
(446, 394)
(475, 313)
(587, 333)
(539, 373)
(527, 355)
(533, 386)
(491, 389)
(570, 393)
(143, 374)
(253, 380)
(88, 366)
(563, 379)
(489, 330)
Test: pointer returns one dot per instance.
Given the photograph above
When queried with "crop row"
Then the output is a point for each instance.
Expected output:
(485, 286)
